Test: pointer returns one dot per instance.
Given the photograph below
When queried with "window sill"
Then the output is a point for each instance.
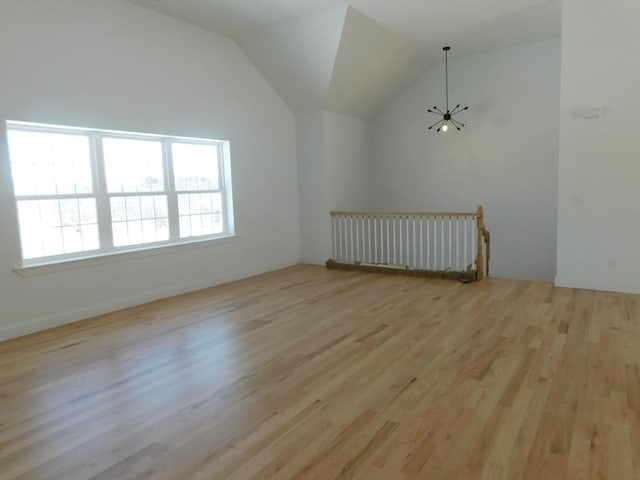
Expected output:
(46, 268)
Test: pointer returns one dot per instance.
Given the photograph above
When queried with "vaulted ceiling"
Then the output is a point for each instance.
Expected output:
(355, 58)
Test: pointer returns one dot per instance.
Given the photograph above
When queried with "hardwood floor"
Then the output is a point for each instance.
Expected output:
(307, 373)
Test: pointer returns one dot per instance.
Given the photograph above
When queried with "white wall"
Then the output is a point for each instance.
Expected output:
(117, 66)
(313, 184)
(506, 160)
(599, 174)
(333, 156)
(346, 150)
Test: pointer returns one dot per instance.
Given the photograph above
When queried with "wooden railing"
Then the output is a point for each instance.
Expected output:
(441, 244)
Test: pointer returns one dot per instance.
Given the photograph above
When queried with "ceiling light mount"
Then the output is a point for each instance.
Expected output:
(446, 116)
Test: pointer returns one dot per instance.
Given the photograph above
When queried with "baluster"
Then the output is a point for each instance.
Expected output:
(357, 257)
(343, 237)
(466, 243)
(388, 259)
(351, 238)
(338, 237)
(450, 245)
(415, 258)
(406, 263)
(394, 241)
(333, 237)
(458, 244)
(369, 237)
(473, 240)
(363, 239)
(375, 240)
(400, 257)
(363, 249)
(435, 244)
(345, 250)
(429, 233)
(442, 243)
(346, 239)
(422, 243)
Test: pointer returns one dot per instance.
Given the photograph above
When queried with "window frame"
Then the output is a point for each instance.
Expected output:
(103, 197)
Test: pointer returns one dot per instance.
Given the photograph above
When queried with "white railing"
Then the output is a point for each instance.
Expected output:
(417, 241)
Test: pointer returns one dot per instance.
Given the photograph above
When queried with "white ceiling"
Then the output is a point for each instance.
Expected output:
(424, 23)
(354, 57)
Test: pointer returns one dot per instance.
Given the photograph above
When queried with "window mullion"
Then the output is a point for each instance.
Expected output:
(102, 196)
(64, 196)
(172, 196)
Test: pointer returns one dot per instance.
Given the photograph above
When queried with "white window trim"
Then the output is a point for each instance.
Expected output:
(43, 268)
(107, 252)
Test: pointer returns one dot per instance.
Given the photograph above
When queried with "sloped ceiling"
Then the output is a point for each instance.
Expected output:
(298, 57)
(372, 66)
(337, 60)
(354, 58)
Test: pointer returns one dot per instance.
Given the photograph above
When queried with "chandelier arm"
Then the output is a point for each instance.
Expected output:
(439, 121)
(438, 110)
(435, 113)
(455, 109)
(457, 124)
(458, 109)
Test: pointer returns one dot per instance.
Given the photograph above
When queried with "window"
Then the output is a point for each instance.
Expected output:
(83, 193)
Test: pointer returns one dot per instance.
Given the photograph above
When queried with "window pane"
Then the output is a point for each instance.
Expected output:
(147, 209)
(160, 207)
(53, 241)
(195, 167)
(118, 209)
(139, 219)
(134, 232)
(120, 235)
(88, 213)
(133, 165)
(90, 237)
(70, 212)
(132, 208)
(29, 215)
(56, 227)
(200, 214)
(44, 163)
(72, 238)
(50, 213)
(32, 244)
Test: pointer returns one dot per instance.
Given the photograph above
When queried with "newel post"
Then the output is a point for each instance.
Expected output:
(480, 237)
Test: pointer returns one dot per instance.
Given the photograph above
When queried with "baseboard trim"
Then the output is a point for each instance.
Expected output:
(563, 282)
(314, 261)
(44, 323)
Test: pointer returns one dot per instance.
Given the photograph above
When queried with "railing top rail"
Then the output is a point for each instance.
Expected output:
(407, 214)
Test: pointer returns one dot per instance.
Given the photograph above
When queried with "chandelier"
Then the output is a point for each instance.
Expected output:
(446, 117)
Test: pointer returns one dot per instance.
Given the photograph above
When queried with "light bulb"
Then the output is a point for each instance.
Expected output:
(445, 127)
